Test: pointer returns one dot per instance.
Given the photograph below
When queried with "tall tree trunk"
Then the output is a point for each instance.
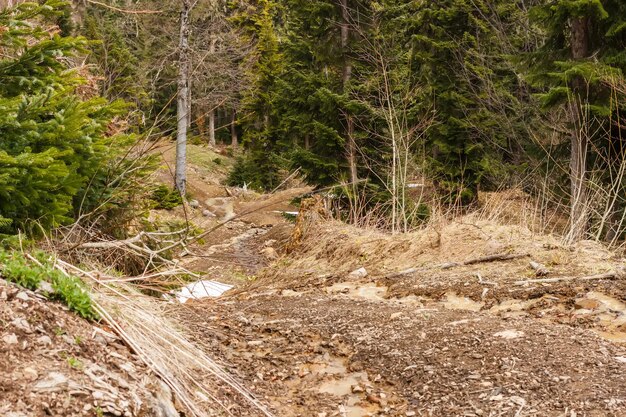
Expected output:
(578, 142)
(212, 127)
(213, 110)
(233, 131)
(183, 101)
(351, 148)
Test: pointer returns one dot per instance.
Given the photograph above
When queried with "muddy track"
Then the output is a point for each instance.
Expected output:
(349, 348)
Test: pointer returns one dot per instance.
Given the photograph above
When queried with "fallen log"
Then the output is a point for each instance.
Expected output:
(607, 276)
(485, 259)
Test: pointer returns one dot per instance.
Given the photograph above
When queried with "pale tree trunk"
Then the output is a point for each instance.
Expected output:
(212, 112)
(183, 101)
(578, 142)
(212, 127)
(351, 149)
(233, 131)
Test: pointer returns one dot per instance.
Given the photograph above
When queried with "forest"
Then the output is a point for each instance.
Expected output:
(371, 97)
(459, 156)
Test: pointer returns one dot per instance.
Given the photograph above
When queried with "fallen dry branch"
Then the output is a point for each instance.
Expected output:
(402, 273)
(485, 259)
(607, 276)
(540, 270)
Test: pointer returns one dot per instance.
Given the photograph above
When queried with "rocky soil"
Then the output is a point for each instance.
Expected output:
(53, 363)
(332, 329)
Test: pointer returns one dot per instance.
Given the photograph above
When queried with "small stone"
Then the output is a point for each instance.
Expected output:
(3, 295)
(22, 296)
(97, 395)
(44, 340)
(509, 334)
(270, 253)
(621, 359)
(410, 413)
(21, 324)
(255, 343)
(46, 287)
(518, 400)
(359, 273)
(54, 382)
(10, 339)
(396, 315)
(194, 204)
(357, 388)
(587, 304)
(30, 373)
(207, 213)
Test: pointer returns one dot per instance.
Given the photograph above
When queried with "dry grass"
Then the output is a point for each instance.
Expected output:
(506, 223)
(200, 385)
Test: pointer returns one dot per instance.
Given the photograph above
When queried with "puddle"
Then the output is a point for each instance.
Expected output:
(616, 337)
(339, 382)
(513, 306)
(342, 387)
(609, 303)
(454, 302)
(333, 367)
(357, 411)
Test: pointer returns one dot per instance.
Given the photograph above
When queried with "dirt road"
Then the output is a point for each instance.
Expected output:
(345, 346)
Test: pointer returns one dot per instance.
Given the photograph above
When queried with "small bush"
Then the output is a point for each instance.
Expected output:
(69, 290)
(256, 170)
(166, 198)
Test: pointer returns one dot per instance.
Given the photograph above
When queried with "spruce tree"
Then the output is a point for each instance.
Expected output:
(53, 144)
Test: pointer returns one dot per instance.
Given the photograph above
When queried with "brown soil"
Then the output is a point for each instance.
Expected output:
(309, 338)
(313, 340)
(52, 363)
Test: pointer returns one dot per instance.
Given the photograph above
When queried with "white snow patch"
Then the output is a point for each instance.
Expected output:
(202, 289)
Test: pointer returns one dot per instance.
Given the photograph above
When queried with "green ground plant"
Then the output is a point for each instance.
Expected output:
(69, 290)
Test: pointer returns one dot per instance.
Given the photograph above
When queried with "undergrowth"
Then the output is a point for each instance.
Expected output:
(69, 290)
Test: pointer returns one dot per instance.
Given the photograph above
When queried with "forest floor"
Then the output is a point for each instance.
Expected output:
(329, 320)
(415, 332)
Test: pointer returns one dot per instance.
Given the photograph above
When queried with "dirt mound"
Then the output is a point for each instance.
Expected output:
(54, 363)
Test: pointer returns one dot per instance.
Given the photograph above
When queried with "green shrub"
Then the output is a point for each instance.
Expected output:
(69, 290)
(256, 170)
(166, 198)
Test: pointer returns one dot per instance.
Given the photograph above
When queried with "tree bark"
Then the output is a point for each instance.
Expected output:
(578, 142)
(212, 128)
(351, 148)
(233, 131)
(212, 48)
(183, 101)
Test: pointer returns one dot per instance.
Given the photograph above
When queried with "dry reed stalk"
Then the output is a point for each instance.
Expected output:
(142, 322)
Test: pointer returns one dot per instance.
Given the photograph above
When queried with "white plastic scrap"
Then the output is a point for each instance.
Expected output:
(202, 289)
